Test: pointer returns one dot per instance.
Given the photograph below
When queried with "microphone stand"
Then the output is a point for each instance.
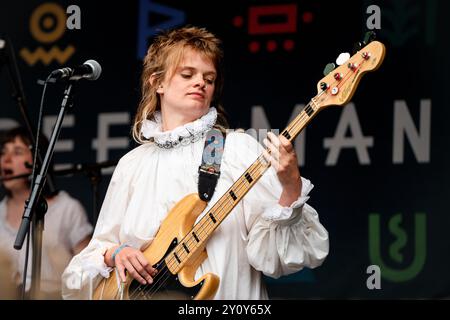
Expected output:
(36, 202)
(9, 59)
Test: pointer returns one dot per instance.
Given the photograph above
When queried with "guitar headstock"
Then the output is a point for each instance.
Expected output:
(338, 87)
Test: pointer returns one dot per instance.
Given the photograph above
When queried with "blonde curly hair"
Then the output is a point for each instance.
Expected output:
(163, 57)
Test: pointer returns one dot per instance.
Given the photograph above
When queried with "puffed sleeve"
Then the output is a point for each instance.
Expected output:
(280, 240)
(86, 269)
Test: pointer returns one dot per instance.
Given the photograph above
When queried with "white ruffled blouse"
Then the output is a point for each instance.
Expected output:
(258, 236)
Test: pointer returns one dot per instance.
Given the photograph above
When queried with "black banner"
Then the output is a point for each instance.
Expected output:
(379, 164)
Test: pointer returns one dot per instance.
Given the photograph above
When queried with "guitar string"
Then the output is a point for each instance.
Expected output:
(202, 223)
(302, 117)
(219, 207)
(257, 165)
(201, 229)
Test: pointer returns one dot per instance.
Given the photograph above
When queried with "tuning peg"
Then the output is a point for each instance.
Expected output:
(343, 57)
(369, 37)
(328, 68)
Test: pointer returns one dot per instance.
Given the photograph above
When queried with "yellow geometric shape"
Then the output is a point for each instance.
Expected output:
(48, 23)
(55, 53)
(39, 12)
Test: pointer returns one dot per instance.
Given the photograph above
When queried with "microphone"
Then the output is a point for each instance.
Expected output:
(90, 70)
(2, 44)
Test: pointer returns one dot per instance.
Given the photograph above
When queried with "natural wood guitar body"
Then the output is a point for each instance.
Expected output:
(178, 223)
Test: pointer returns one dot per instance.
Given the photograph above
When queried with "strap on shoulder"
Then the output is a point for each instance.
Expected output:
(209, 170)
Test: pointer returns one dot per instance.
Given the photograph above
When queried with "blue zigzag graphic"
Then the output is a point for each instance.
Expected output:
(175, 18)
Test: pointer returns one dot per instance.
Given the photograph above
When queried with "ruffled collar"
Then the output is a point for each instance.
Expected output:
(182, 135)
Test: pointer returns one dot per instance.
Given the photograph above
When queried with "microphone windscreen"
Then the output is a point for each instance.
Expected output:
(96, 69)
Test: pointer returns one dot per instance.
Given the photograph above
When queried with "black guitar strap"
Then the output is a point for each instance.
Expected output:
(209, 170)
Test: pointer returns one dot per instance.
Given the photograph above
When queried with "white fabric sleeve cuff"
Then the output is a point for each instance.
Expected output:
(78, 279)
(291, 214)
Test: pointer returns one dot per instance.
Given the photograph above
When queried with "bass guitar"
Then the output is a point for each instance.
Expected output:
(179, 246)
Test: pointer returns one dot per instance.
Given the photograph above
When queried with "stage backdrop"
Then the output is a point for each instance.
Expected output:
(379, 165)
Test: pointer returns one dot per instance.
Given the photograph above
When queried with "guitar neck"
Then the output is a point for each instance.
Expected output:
(202, 231)
(336, 88)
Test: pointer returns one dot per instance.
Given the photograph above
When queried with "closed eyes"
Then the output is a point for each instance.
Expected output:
(208, 80)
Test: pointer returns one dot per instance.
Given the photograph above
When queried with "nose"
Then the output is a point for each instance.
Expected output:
(5, 158)
(200, 82)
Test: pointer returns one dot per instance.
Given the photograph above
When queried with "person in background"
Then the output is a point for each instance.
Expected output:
(66, 230)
